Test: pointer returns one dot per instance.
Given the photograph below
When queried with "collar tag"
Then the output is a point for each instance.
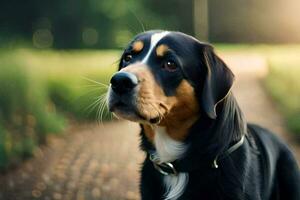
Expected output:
(165, 168)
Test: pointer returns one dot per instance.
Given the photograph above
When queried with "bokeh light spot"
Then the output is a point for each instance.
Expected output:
(42, 38)
(90, 36)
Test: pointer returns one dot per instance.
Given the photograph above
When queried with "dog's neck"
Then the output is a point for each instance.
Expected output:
(176, 123)
(214, 137)
(205, 136)
(176, 128)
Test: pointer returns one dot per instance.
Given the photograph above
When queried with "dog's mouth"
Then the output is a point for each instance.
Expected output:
(130, 112)
(155, 120)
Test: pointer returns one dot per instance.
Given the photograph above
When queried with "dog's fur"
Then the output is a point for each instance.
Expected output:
(189, 117)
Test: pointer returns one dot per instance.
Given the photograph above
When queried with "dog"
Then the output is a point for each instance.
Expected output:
(197, 142)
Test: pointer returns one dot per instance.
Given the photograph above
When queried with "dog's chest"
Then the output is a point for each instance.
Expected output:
(168, 150)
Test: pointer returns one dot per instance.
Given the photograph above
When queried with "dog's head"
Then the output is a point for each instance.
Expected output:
(168, 75)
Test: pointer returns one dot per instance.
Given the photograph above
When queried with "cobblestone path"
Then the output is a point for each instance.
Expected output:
(102, 161)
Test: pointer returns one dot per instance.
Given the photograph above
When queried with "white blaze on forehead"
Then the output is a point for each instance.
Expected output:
(155, 38)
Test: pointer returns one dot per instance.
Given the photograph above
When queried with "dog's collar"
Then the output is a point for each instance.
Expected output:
(172, 168)
(228, 152)
(165, 168)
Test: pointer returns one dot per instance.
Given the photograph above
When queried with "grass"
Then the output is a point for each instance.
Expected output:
(73, 77)
(41, 90)
(24, 115)
(283, 84)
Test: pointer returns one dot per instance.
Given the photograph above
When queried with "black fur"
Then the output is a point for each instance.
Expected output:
(262, 168)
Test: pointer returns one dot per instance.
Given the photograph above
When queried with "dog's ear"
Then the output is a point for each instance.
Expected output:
(218, 81)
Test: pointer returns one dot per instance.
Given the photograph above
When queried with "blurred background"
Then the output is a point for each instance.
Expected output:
(57, 140)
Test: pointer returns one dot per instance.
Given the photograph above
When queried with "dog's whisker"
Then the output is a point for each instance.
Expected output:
(98, 113)
(90, 85)
(93, 105)
(160, 115)
(138, 20)
(101, 107)
(88, 92)
(116, 62)
(106, 105)
(87, 108)
(94, 81)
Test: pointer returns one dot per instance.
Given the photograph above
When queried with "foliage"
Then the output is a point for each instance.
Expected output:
(39, 89)
(25, 116)
(282, 81)
(283, 84)
(87, 23)
(75, 79)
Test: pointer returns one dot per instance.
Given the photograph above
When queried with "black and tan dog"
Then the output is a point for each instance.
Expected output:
(197, 142)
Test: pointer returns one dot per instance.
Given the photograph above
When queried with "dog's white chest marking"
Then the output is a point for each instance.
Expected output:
(155, 38)
(169, 150)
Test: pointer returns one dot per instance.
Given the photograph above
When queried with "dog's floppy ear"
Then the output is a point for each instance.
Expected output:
(218, 81)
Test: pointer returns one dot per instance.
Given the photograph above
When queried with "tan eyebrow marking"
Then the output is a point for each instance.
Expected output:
(161, 50)
(137, 46)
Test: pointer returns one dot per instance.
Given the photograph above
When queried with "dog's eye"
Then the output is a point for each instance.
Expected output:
(170, 66)
(127, 57)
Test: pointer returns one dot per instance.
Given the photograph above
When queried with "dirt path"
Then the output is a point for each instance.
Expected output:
(254, 101)
(91, 162)
(102, 161)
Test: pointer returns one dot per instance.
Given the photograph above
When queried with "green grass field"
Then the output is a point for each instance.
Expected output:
(41, 90)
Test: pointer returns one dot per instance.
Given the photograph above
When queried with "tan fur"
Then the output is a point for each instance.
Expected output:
(150, 98)
(184, 112)
(149, 132)
(161, 50)
(137, 46)
(177, 113)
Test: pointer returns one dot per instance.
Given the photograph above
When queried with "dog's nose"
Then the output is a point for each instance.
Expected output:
(123, 82)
